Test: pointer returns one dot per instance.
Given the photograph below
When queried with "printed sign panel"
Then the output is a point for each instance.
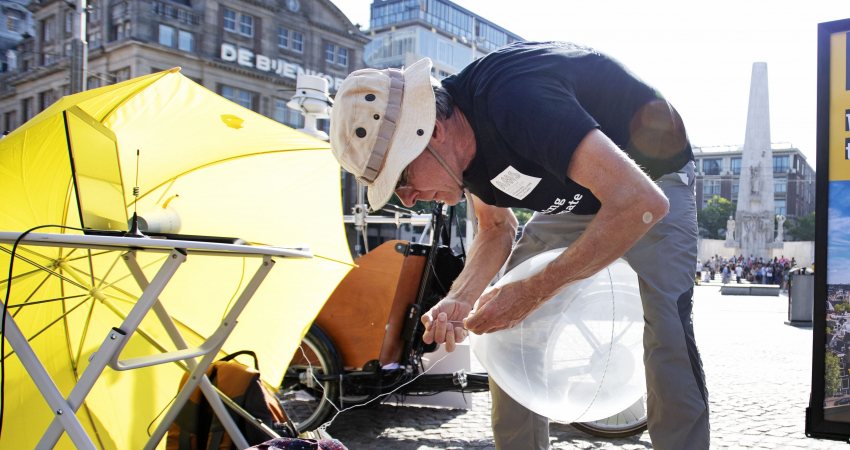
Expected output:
(828, 415)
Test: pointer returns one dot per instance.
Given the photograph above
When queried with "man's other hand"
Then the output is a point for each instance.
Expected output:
(444, 323)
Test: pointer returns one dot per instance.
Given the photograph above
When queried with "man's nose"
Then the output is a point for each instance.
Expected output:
(406, 195)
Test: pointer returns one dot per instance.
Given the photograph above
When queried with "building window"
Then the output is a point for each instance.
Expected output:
(711, 166)
(781, 164)
(166, 35)
(47, 29)
(330, 53)
(185, 41)
(45, 99)
(15, 21)
(735, 184)
(120, 30)
(342, 56)
(93, 11)
(779, 207)
(26, 109)
(93, 82)
(282, 37)
(229, 20)
(238, 22)
(780, 186)
(246, 25)
(297, 42)
(69, 22)
(735, 165)
(120, 75)
(292, 40)
(336, 55)
(239, 96)
(9, 123)
(710, 188)
(95, 40)
(285, 115)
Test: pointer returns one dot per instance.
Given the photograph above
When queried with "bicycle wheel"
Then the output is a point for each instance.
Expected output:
(310, 386)
(628, 422)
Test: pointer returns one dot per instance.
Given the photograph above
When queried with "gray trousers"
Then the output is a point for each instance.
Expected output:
(677, 399)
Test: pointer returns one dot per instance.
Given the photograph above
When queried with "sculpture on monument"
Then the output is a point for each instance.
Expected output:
(755, 179)
(730, 230)
(780, 230)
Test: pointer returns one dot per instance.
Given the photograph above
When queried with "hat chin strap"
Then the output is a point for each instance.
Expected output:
(459, 182)
(446, 166)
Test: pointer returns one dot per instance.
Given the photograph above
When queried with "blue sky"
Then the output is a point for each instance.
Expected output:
(838, 250)
(699, 54)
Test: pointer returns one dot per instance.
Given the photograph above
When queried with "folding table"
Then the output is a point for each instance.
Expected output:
(65, 409)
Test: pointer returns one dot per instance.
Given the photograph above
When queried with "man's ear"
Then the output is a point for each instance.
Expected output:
(439, 130)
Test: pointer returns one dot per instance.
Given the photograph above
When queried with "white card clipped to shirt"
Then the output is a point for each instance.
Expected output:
(515, 183)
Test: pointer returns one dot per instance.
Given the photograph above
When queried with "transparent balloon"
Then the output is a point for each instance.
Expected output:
(579, 356)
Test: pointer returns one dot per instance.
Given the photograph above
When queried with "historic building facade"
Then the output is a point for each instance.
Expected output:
(249, 51)
(719, 173)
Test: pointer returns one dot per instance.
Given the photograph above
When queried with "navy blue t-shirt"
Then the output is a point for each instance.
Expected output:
(530, 104)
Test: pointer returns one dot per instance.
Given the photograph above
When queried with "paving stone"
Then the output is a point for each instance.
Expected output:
(758, 372)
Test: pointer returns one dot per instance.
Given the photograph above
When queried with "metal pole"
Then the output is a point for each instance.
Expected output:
(360, 214)
(79, 49)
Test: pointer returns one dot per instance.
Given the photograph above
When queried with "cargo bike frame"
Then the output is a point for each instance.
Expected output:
(366, 343)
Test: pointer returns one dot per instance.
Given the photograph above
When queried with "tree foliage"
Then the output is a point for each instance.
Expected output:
(832, 374)
(802, 228)
(712, 219)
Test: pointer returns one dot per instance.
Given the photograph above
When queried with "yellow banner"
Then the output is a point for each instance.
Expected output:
(839, 108)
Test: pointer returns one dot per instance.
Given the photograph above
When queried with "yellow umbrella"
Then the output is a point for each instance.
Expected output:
(223, 170)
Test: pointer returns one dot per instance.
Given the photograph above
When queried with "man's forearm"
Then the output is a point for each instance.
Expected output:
(486, 257)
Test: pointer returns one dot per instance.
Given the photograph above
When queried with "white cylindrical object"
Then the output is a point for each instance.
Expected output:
(160, 220)
(579, 356)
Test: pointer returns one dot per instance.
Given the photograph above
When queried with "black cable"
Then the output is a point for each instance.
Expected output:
(6, 312)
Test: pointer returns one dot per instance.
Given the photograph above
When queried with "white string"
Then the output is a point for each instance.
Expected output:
(323, 427)
(610, 346)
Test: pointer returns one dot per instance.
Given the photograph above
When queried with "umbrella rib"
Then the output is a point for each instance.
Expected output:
(47, 300)
(44, 269)
(24, 249)
(112, 285)
(30, 302)
(47, 326)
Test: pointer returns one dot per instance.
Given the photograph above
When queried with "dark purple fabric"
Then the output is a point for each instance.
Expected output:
(285, 443)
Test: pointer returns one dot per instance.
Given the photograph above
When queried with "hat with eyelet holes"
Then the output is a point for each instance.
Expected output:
(381, 121)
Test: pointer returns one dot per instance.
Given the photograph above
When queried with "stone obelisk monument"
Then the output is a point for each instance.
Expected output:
(755, 213)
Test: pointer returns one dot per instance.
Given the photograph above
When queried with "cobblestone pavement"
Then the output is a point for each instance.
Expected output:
(757, 368)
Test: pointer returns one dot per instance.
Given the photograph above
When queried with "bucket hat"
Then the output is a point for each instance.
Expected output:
(381, 121)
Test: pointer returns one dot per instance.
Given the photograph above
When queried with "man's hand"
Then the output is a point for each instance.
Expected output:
(444, 323)
(502, 308)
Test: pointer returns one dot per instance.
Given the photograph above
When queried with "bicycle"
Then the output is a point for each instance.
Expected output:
(336, 365)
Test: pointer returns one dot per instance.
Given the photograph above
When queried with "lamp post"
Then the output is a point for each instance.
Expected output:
(79, 48)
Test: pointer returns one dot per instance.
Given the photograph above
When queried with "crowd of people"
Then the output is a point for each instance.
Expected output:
(753, 270)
